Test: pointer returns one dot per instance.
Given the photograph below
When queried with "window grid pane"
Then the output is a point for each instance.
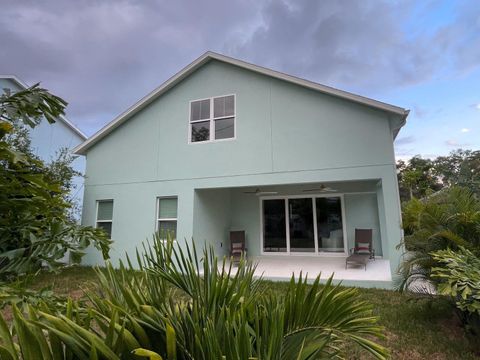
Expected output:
(106, 226)
(167, 229)
(167, 208)
(223, 106)
(225, 128)
(200, 110)
(105, 210)
(200, 131)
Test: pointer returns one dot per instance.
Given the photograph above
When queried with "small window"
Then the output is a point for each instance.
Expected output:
(105, 216)
(167, 217)
(212, 119)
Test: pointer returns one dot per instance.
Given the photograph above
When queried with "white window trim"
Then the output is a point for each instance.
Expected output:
(212, 119)
(287, 224)
(103, 221)
(157, 213)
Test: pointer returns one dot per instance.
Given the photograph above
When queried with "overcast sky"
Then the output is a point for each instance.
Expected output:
(102, 56)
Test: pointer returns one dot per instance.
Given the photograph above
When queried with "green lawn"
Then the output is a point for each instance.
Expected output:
(414, 328)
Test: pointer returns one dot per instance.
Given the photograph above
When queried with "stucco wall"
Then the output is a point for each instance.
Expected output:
(280, 127)
(361, 212)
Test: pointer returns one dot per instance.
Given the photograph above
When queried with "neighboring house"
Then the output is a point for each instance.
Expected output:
(226, 145)
(47, 139)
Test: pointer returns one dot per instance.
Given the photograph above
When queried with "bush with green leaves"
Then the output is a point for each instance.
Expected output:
(184, 305)
(448, 219)
(459, 277)
(36, 228)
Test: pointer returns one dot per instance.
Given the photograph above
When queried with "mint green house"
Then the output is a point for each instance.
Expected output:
(226, 145)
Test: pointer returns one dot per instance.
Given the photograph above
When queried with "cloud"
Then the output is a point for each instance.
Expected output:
(455, 143)
(363, 45)
(464, 130)
(478, 106)
(102, 56)
(419, 111)
(405, 140)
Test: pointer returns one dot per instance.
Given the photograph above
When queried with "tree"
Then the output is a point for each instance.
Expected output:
(35, 226)
(460, 167)
(417, 178)
(420, 177)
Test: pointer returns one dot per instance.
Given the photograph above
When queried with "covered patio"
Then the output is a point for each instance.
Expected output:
(293, 228)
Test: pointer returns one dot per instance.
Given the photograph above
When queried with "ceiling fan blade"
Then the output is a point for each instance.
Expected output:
(321, 189)
(266, 193)
(256, 191)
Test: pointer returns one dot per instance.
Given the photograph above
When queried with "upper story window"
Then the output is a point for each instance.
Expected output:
(212, 119)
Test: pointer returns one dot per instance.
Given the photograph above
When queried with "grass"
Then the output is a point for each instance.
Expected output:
(415, 328)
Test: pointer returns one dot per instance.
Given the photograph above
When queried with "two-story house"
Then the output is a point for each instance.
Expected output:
(48, 139)
(227, 145)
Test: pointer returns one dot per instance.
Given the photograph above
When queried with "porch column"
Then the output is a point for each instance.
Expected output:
(392, 228)
(382, 221)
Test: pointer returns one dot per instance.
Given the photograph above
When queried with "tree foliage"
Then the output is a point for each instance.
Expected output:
(420, 177)
(36, 228)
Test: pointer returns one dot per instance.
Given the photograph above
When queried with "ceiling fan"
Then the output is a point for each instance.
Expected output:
(321, 188)
(258, 192)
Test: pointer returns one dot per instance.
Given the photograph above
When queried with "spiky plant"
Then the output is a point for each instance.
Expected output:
(185, 304)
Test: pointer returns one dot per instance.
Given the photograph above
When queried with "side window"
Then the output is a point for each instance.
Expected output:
(167, 217)
(105, 216)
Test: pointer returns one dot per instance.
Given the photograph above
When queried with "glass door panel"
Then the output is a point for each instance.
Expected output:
(329, 225)
(302, 238)
(274, 226)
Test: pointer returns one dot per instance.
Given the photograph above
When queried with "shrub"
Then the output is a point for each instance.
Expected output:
(448, 219)
(459, 277)
(183, 305)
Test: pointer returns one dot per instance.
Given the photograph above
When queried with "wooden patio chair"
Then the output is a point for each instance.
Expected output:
(363, 250)
(237, 246)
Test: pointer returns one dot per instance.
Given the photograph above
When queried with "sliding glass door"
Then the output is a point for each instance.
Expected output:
(274, 229)
(303, 225)
(329, 225)
(300, 217)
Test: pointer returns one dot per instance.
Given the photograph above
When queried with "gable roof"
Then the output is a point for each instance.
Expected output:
(62, 118)
(208, 56)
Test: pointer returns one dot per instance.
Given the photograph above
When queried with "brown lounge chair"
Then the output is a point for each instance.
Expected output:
(363, 250)
(237, 245)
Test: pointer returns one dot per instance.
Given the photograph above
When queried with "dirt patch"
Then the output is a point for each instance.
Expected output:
(452, 327)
